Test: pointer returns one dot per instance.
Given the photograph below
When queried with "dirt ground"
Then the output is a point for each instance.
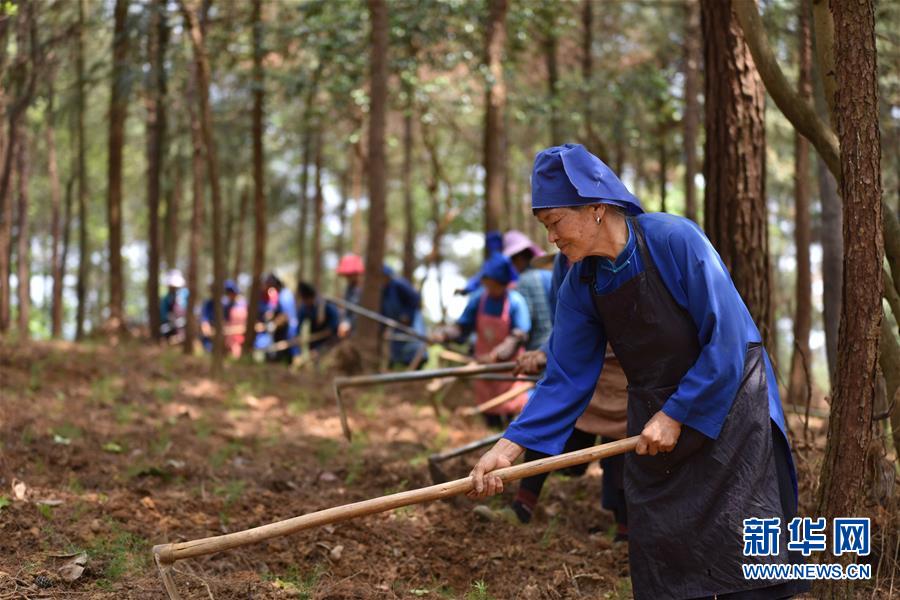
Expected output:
(108, 451)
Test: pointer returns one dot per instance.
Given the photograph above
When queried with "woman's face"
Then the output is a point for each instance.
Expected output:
(572, 230)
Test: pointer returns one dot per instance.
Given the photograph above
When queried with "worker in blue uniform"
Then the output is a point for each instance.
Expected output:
(501, 321)
(713, 447)
(400, 301)
(281, 319)
(324, 318)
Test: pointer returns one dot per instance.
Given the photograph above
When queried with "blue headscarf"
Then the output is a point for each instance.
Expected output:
(569, 175)
(500, 269)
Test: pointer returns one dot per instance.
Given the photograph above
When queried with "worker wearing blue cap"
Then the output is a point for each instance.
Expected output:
(713, 447)
(500, 319)
(400, 301)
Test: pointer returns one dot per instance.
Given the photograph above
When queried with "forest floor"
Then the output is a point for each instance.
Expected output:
(107, 451)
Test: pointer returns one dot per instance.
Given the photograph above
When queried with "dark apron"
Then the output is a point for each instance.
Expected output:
(686, 507)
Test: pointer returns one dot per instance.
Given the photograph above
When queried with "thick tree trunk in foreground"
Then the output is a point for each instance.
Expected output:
(378, 68)
(692, 60)
(842, 486)
(798, 390)
(171, 218)
(495, 106)
(735, 216)
(156, 131)
(118, 111)
(202, 73)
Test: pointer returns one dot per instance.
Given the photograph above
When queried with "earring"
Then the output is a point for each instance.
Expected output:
(598, 220)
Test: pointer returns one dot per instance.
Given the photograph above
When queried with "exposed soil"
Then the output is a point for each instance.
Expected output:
(112, 450)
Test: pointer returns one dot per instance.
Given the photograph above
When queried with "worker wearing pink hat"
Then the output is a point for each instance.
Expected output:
(351, 268)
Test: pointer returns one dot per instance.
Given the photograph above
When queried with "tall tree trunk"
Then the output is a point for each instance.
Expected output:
(319, 214)
(495, 106)
(341, 241)
(118, 111)
(84, 251)
(212, 166)
(850, 427)
(358, 232)
(24, 76)
(378, 73)
(239, 238)
(66, 236)
(23, 237)
(156, 131)
(57, 266)
(308, 135)
(549, 43)
(173, 208)
(735, 215)
(409, 219)
(6, 217)
(691, 119)
(195, 238)
(593, 141)
(259, 182)
(801, 357)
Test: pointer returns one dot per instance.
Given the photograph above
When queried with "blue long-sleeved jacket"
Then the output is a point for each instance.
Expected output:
(694, 274)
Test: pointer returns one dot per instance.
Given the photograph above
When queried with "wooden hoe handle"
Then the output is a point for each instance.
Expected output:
(497, 400)
(166, 554)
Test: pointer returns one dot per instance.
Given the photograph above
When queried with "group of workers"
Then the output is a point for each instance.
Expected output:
(637, 330)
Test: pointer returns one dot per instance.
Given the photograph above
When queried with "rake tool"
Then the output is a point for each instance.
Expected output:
(341, 383)
(165, 555)
(371, 314)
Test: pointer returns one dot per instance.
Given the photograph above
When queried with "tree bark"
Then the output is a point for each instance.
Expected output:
(239, 237)
(308, 137)
(735, 215)
(57, 265)
(84, 251)
(691, 121)
(801, 359)
(156, 131)
(195, 239)
(259, 182)
(800, 113)
(24, 68)
(173, 208)
(202, 73)
(495, 106)
(378, 73)
(23, 237)
(319, 214)
(550, 42)
(409, 231)
(856, 109)
(118, 111)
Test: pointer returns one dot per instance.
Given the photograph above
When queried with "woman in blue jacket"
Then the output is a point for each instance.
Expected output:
(713, 449)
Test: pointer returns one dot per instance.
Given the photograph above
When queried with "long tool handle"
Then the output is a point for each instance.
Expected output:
(466, 371)
(371, 314)
(168, 553)
(497, 400)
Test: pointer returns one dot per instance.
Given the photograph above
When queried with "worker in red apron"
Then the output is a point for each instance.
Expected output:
(501, 322)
